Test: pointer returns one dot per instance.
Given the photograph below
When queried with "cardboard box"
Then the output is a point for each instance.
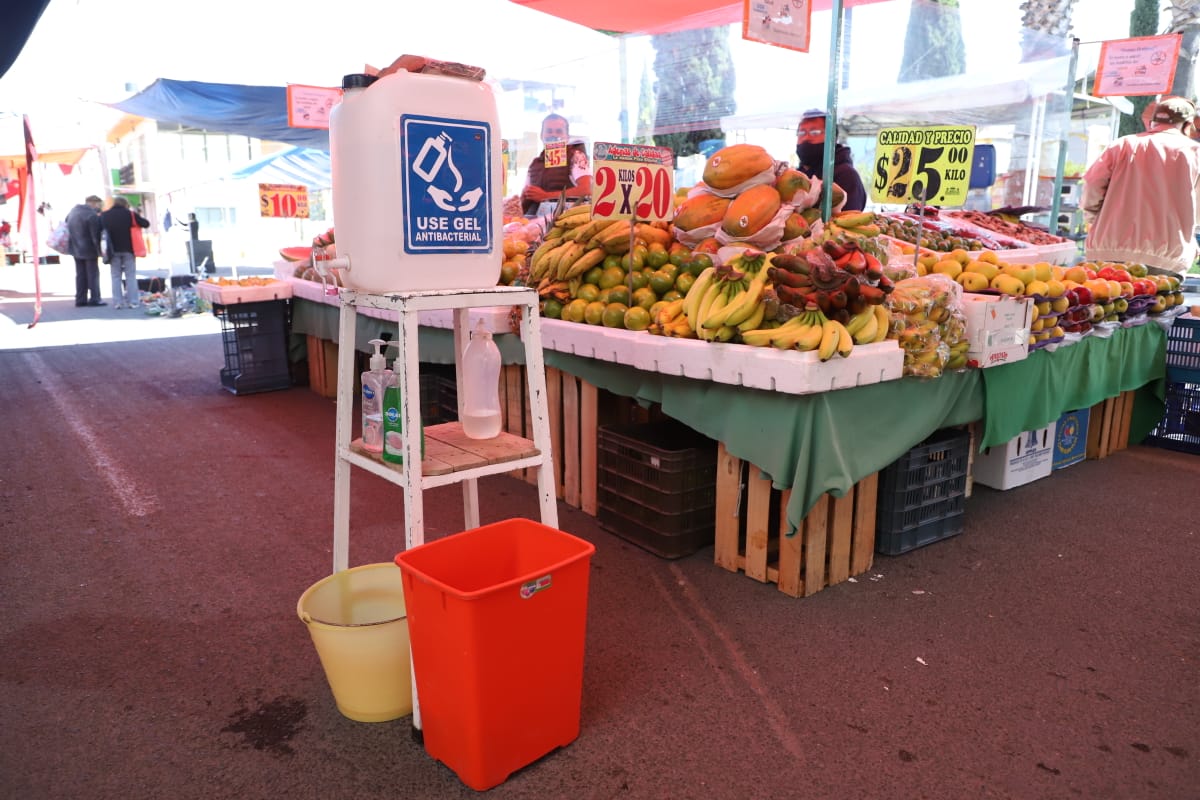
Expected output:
(1070, 438)
(1023, 460)
(997, 328)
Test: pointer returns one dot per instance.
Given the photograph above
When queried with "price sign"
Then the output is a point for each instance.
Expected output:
(282, 200)
(632, 181)
(931, 164)
(309, 106)
(1142, 65)
(556, 154)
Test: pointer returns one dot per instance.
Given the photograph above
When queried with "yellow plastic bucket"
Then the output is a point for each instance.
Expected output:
(358, 623)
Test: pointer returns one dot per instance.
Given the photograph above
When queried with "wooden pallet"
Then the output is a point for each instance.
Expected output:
(1108, 426)
(322, 366)
(835, 541)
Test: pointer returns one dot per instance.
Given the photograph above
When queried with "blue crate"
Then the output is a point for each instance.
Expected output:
(1179, 429)
(1183, 350)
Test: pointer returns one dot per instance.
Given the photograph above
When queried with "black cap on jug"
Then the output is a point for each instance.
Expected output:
(357, 80)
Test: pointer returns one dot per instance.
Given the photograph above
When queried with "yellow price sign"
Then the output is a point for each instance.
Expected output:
(633, 181)
(930, 163)
(556, 155)
(282, 200)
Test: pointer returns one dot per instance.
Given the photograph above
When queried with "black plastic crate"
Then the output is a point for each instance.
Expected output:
(922, 495)
(254, 341)
(1183, 350)
(666, 455)
(657, 486)
(1179, 429)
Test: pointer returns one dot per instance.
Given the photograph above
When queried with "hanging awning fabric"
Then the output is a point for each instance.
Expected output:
(295, 165)
(256, 111)
(661, 16)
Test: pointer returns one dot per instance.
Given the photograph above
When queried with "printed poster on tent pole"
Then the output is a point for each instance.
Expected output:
(782, 23)
(1139, 66)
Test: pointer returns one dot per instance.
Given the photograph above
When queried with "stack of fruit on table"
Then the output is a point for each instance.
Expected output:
(941, 235)
(1011, 228)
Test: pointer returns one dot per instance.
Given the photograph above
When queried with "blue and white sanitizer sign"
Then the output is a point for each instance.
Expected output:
(446, 177)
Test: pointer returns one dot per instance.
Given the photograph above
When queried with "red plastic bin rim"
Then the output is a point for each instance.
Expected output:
(586, 549)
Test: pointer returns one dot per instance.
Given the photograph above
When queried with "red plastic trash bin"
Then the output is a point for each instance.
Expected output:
(497, 617)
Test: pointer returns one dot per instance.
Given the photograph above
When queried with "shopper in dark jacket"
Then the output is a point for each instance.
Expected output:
(118, 223)
(810, 149)
(83, 227)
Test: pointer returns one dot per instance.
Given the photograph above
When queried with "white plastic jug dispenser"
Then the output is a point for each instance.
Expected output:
(417, 180)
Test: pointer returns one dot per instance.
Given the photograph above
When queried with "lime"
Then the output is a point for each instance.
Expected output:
(672, 271)
(612, 260)
(573, 311)
(684, 282)
(508, 273)
(619, 294)
(636, 319)
(679, 255)
(644, 297)
(552, 309)
(658, 306)
(635, 259)
(614, 315)
(588, 292)
(672, 295)
(592, 276)
(699, 263)
(661, 283)
(594, 313)
(613, 276)
(640, 278)
(603, 296)
(656, 255)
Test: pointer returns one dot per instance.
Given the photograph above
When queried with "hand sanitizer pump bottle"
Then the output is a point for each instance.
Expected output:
(481, 386)
(374, 383)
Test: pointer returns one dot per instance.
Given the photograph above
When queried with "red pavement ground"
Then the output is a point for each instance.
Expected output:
(157, 532)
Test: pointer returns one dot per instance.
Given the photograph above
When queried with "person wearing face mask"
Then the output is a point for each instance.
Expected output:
(810, 149)
(574, 176)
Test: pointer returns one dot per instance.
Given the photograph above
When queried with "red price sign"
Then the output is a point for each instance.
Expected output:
(632, 181)
(282, 200)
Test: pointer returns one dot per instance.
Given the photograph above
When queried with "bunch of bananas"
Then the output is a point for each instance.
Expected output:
(669, 320)
(812, 330)
(854, 224)
(576, 243)
(729, 299)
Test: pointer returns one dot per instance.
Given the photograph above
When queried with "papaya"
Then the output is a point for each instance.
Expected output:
(700, 210)
(736, 164)
(751, 210)
(795, 226)
(837, 196)
(790, 183)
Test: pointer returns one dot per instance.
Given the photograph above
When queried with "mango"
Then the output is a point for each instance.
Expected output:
(1008, 284)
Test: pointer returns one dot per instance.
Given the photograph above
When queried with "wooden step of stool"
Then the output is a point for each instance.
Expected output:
(834, 542)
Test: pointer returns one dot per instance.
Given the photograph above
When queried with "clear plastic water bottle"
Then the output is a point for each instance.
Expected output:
(481, 386)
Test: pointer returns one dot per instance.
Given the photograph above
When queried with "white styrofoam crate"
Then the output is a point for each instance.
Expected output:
(236, 293)
(790, 371)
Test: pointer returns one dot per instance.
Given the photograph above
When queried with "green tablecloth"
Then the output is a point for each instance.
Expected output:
(827, 442)
(1032, 393)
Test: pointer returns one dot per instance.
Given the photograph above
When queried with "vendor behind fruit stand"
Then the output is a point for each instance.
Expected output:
(810, 149)
(1141, 197)
(572, 177)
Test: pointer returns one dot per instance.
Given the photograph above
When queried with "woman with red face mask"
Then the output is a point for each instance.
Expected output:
(810, 149)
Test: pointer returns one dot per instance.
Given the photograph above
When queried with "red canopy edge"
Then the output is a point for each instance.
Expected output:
(660, 16)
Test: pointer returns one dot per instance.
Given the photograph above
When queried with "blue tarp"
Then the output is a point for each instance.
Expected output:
(257, 111)
(295, 165)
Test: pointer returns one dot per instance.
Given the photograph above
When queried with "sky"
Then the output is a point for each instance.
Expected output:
(86, 52)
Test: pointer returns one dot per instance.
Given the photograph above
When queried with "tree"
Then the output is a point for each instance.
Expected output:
(933, 44)
(644, 132)
(694, 86)
(1185, 19)
(1045, 28)
(1143, 21)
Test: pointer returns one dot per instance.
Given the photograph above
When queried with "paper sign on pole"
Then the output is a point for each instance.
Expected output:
(783, 23)
(309, 106)
(632, 181)
(1142, 65)
(930, 163)
(283, 200)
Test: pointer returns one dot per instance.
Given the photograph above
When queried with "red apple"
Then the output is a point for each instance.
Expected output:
(1084, 294)
(1122, 276)
(1105, 272)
